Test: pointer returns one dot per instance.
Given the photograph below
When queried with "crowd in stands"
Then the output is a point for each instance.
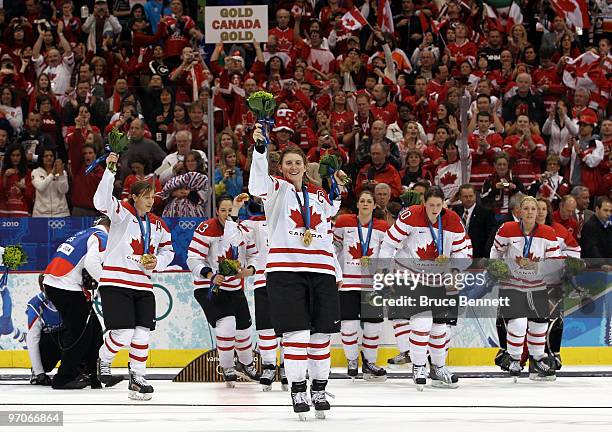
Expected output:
(387, 99)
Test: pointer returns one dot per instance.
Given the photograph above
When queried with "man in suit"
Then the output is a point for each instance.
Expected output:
(583, 213)
(478, 220)
(596, 239)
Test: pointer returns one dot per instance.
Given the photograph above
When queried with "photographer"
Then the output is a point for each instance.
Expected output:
(550, 185)
(527, 150)
(326, 143)
(191, 73)
(9, 75)
(101, 19)
(228, 175)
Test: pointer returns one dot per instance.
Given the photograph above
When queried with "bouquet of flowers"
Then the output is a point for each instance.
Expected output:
(13, 257)
(227, 267)
(117, 143)
(263, 106)
(498, 270)
(328, 165)
(410, 198)
(574, 266)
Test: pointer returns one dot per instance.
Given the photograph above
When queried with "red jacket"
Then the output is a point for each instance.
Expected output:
(526, 163)
(386, 174)
(83, 186)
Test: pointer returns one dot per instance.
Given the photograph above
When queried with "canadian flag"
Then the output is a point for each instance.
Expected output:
(353, 19)
(586, 71)
(385, 17)
(503, 19)
(575, 11)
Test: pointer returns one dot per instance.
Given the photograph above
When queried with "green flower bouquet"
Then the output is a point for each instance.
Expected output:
(498, 269)
(14, 257)
(227, 267)
(117, 143)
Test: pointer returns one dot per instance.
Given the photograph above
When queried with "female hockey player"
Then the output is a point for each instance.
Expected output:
(531, 252)
(358, 239)
(255, 230)
(138, 244)
(76, 261)
(429, 239)
(300, 270)
(222, 297)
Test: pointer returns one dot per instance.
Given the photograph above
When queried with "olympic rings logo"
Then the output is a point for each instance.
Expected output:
(56, 224)
(187, 225)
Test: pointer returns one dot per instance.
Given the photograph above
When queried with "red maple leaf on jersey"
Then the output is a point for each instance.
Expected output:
(355, 251)
(226, 255)
(429, 252)
(137, 247)
(296, 216)
(448, 178)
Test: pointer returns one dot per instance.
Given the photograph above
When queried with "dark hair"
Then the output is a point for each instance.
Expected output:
(483, 114)
(549, 211)
(449, 142)
(433, 192)
(139, 188)
(222, 198)
(6, 164)
(366, 191)
(466, 186)
(199, 161)
(601, 200)
(145, 162)
(14, 97)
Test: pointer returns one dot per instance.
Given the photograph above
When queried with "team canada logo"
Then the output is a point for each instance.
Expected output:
(429, 252)
(448, 179)
(355, 251)
(298, 220)
(227, 255)
(138, 248)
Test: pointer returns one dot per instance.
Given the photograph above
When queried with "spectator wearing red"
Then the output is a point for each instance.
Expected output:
(583, 155)
(380, 170)
(178, 26)
(283, 130)
(567, 48)
(438, 86)
(316, 55)
(566, 215)
(83, 148)
(16, 190)
(197, 127)
(72, 24)
(462, 49)
(433, 154)
(190, 74)
(326, 143)
(284, 34)
(582, 96)
(140, 168)
(484, 145)
(381, 107)
(547, 79)
(527, 150)
(340, 117)
(502, 76)
(550, 185)
(500, 186)
(423, 107)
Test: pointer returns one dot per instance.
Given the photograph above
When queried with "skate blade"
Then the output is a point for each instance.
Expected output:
(374, 378)
(266, 388)
(247, 378)
(302, 416)
(320, 415)
(536, 377)
(139, 396)
(398, 366)
(230, 384)
(420, 387)
(515, 379)
(442, 384)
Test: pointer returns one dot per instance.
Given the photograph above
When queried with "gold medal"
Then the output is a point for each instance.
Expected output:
(147, 258)
(524, 262)
(307, 237)
(365, 261)
(442, 259)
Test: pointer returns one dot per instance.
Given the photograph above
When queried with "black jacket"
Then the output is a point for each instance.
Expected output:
(595, 240)
(480, 226)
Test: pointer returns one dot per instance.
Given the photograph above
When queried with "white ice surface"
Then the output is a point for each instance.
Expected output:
(490, 404)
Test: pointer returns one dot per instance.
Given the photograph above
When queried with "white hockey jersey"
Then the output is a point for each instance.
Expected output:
(348, 249)
(254, 230)
(545, 251)
(125, 247)
(209, 245)
(286, 225)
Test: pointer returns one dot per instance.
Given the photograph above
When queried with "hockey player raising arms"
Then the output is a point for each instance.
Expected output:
(138, 244)
(300, 270)
(429, 239)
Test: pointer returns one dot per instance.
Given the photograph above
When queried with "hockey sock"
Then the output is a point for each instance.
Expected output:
(295, 346)
(113, 342)
(266, 341)
(555, 334)
(401, 328)
(244, 348)
(437, 344)
(536, 339)
(319, 358)
(350, 334)
(515, 337)
(420, 326)
(139, 350)
(225, 332)
(371, 337)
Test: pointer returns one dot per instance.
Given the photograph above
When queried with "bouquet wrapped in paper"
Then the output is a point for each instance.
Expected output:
(329, 164)
(227, 267)
(13, 257)
(117, 143)
(263, 106)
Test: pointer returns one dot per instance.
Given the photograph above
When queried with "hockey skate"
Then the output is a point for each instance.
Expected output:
(372, 372)
(248, 372)
(502, 359)
(283, 378)
(318, 398)
(399, 360)
(230, 377)
(103, 370)
(139, 388)
(419, 376)
(353, 369)
(515, 368)
(268, 376)
(299, 399)
(556, 361)
(541, 370)
(41, 379)
(442, 377)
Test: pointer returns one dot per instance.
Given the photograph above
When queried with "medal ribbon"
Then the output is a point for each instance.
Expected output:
(439, 240)
(365, 245)
(304, 209)
(146, 234)
(528, 241)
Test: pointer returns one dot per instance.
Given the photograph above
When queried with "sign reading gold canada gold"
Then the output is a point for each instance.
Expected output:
(236, 24)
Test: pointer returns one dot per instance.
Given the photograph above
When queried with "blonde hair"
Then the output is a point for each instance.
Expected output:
(528, 198)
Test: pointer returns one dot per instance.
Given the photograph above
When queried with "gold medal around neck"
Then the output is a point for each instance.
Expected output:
(524, 262)
(442, 259)
(365, 261)
(307, 237)
(147, 258)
